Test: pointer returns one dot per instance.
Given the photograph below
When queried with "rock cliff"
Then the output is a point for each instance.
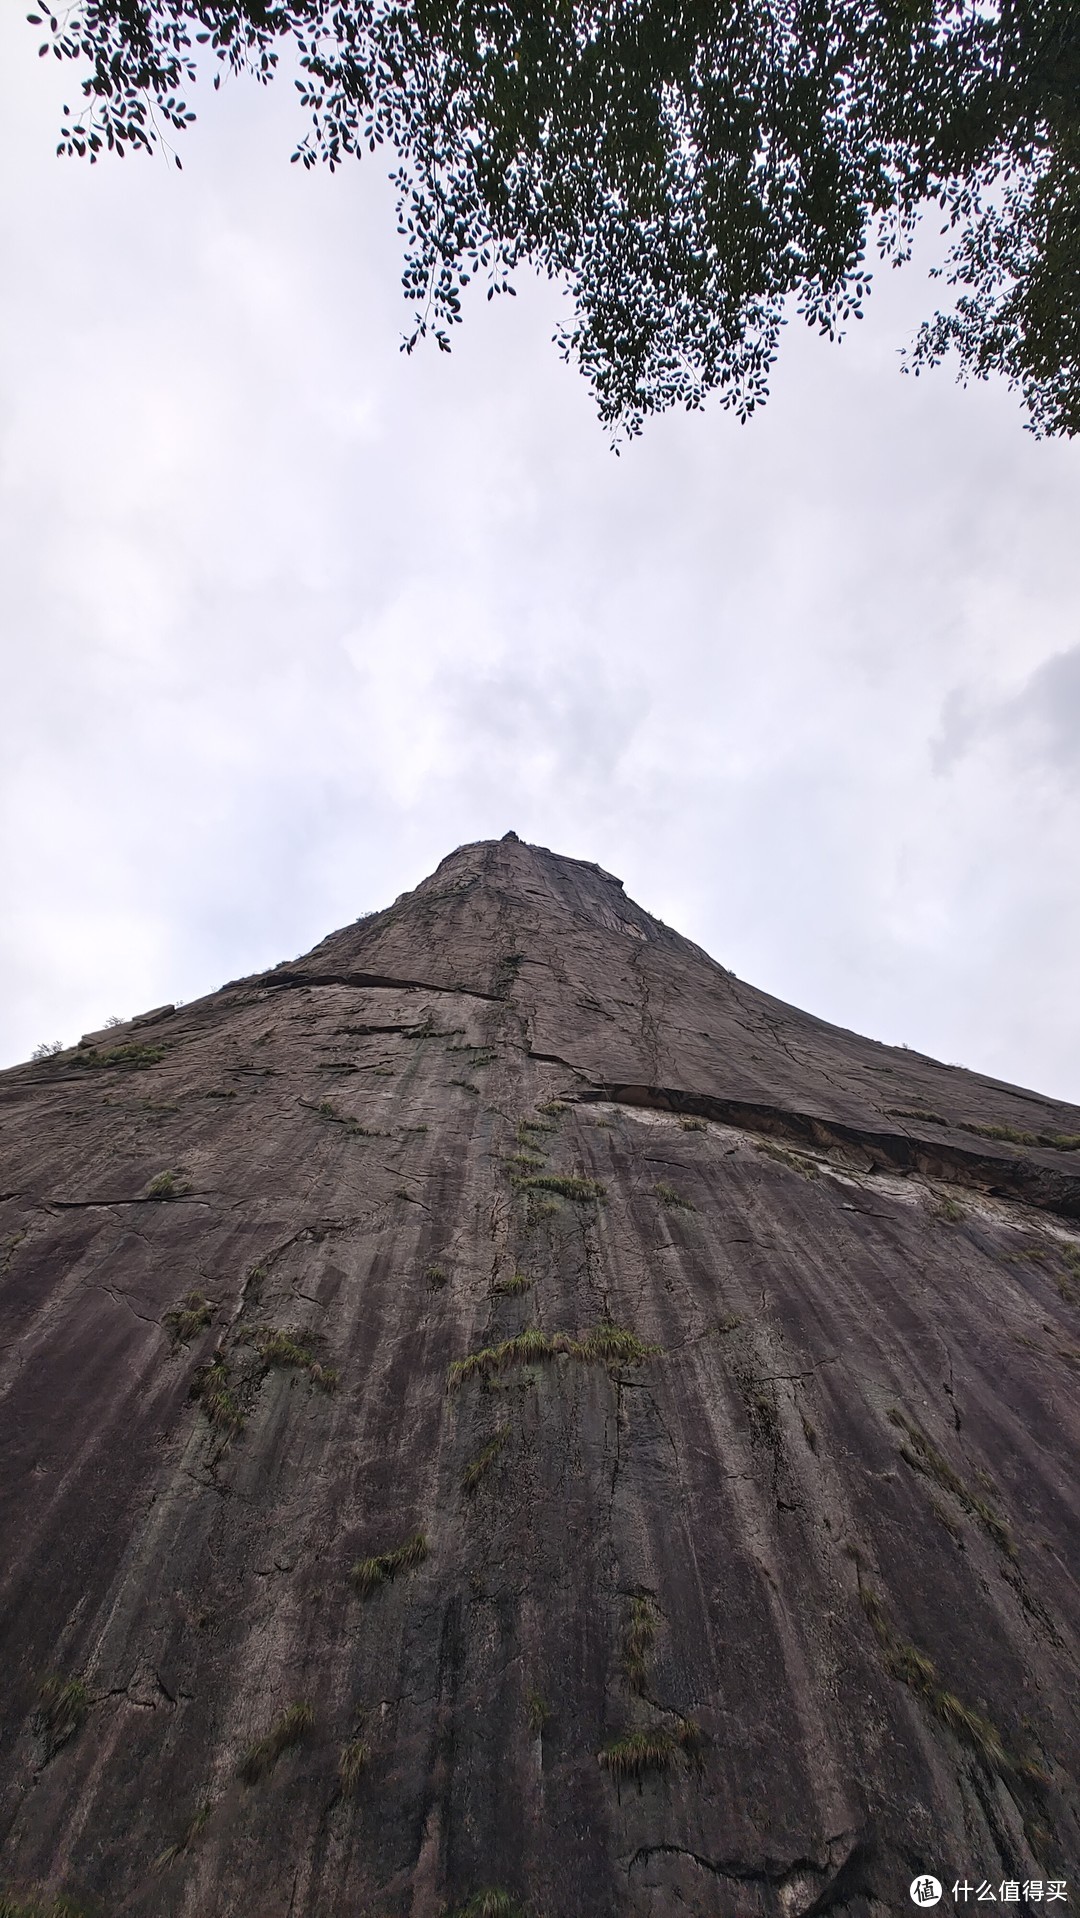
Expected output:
(500, 1417)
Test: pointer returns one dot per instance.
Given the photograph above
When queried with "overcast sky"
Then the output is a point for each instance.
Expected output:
(287, 616)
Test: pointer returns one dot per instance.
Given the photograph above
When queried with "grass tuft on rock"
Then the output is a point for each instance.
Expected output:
(259, 1759)
(167, 1185)
(212, 1390)
(913, 1668)
(655, 1750)
(187, 1838)
(63, 1708)
(513, 1286)
(668, 1196)
(476, 1471)
(605, 1344)
(923, 1456)
(489, 1904)
(129, 1058)
(352, 1762)
(368, 1574)
(567, 1185)
(279, 1349)
(638, 1641)
(193, 1315)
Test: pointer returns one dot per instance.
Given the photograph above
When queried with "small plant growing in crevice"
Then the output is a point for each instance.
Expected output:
(526, 1162)
(692, 1125)
(605, 1344)
(353, 1760)
(794, 1161)
(352, 1127)
(62, 1709)
(436, 1277)
(567, 1185)
(655, 1750)
(638, 1640)
(913, 1668)
(668, 1196)
(481, 1465)
(47, 1050)
(187, 1838)
(368, 1574)
(948, 1211)
(513, 1286)
(489, 1904)
(193, 1315)
(289, 1730)
(553, 1108)
(538, 1714)
(167, 1185)
(129, 1058)
(212, 1389)
(923, 1456)
(281, 1349)
(1009, 1133)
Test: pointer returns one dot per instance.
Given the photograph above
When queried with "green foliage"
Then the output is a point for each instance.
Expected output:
(167, 1185)
(489, 1904)
(1007, 1132)
(668, 1196)
(211, 1387)
(637, 1641)
(62, 1710)
(512, 1286)
(913, 1668)
(692, 1125)
(188, 1837)
(352, 1127)
(692, 176)
(47, 1050)
(260, 1758)
(193, 1315)
(795, 1162)
(1061, 1141)
(479, 1467)
(655, 1750)
(129, 1058)
(553, 1108)
(567, 1186)
(368, 1574)
(282, 1349)
(948, 1210)
(606, 1344)
(352, 1761)
(436, 1277)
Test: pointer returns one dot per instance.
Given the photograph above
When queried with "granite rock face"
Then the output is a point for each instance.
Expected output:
(499, 1416)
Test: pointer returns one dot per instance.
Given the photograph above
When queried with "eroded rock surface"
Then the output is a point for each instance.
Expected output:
(501, 1406)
